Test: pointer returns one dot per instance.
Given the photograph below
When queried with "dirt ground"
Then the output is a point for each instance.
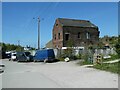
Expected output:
(55, 75)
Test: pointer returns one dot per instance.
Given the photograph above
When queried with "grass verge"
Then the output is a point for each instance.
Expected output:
(113, 57)
(114, 67)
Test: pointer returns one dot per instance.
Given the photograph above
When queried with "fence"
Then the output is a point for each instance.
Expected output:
(83, 51)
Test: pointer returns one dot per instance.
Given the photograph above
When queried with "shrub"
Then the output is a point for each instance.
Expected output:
(86, 59)
(61, 59)
(78, 56)
(113, 57)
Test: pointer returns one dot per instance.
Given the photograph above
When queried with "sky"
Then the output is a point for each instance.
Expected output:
(18, 23)
(0, 21)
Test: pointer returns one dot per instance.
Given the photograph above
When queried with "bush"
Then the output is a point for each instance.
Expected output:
(86, 59)
(61, 59)
(113, 57)
(85, 62)
(117, 46)
(78, 56)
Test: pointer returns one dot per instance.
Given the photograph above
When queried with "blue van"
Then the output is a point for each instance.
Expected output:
(45, 55)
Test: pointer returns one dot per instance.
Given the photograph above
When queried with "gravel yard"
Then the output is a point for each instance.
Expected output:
(55, 75)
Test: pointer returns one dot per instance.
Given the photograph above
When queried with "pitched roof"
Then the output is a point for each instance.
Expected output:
(75, 22)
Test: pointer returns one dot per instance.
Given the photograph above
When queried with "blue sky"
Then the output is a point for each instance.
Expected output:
(18, 22)
(0, 21)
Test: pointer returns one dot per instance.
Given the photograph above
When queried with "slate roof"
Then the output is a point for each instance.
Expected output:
(75, 22)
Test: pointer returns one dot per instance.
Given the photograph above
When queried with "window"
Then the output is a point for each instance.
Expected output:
(58, 35)
(88, 35)
(56, 24)
(79, 36)
(67, 37)
(55, 36)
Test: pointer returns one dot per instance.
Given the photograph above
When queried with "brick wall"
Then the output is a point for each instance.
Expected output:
(57, 40)
(82, 40)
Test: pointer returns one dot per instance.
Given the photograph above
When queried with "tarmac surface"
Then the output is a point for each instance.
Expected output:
(55, 75)
(1, 71)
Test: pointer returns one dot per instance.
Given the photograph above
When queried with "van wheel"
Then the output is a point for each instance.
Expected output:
(45, 60)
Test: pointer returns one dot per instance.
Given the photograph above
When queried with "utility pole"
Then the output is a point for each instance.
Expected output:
(38, 33)
(18, 42)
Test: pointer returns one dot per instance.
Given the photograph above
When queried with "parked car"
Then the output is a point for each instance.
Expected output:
(29, 56)
(24, 56)
(44, 55)
(13, 56)
(3, 55)
(8, 55)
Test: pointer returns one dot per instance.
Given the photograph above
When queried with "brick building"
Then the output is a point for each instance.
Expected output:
(78, 33)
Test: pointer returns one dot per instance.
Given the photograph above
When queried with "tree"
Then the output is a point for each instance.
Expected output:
(69, 52)
(70, 43)
(117, 46)
(9, 47)
(19, 48)
(4, 47)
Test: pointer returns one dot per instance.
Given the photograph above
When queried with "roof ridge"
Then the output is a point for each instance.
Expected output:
(73, 19)
(75, 22)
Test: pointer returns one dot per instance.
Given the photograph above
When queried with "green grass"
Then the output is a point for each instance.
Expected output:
(114, 67)
(61, 59)
(84, 63)
(113, 57)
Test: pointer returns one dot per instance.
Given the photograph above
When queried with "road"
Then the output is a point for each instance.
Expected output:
(55, 75)
(1, 69)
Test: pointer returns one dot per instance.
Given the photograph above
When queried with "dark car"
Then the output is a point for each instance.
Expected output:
(8, 55)
(45, 55)
(24, 56)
